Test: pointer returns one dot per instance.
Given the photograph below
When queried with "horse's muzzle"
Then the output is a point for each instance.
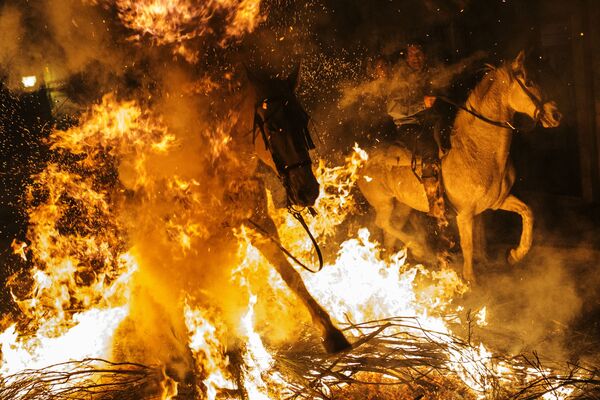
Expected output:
(304, 187)
(551, 116)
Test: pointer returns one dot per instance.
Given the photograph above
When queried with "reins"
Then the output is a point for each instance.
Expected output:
(473, 112)
(298, 216)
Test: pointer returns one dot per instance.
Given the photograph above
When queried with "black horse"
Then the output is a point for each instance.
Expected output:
(282, 141)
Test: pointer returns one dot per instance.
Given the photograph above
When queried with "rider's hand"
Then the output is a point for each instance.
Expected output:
(428, 101)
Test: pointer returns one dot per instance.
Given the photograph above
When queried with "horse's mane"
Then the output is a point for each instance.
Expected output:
(491, 74)
(479, 96)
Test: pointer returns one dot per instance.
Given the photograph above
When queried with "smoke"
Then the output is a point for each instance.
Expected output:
(177, 207)
(87, 50)
(546, 303)
(10, 23)
(54, 39)
(532, 306)
(399, 79)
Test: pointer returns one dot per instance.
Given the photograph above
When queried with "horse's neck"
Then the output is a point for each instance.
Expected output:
(242, 107)
(475, 138)
(249, 143)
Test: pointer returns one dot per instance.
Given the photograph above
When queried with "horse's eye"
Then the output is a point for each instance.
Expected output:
(275, 129)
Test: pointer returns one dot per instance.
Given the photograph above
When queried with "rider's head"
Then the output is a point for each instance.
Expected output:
(415, 56)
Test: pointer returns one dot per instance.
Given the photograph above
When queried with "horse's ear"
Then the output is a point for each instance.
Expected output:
(292, 78)
(519, 62)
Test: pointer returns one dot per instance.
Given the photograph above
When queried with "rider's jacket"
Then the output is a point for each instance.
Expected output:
(407, 97)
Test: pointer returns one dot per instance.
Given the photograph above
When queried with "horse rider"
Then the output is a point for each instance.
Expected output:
(418, 120)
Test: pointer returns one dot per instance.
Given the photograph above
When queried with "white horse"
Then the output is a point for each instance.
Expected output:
(477, 171)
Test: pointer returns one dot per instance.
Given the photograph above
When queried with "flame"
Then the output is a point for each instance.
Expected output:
(205, 341)
(79, 287)
(90, 337)
(245, 18)
(177, 22)
(77, 290)
(19, 248)
(362, 284)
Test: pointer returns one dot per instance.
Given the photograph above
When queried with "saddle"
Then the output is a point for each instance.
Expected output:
(397, 154)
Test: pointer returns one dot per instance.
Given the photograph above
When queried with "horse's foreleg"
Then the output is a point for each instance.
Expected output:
(511, 203)
(479, 240)
(383, 221)
(465, 231)
(333, 339)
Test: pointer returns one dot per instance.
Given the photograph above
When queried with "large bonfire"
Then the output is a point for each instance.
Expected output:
(138, 287)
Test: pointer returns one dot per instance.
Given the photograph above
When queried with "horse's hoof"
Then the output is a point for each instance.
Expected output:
(512, 257)
(335, 341)
(418, 252)
(469, 279)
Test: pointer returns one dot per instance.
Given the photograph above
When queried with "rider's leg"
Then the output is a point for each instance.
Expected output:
(419, 138)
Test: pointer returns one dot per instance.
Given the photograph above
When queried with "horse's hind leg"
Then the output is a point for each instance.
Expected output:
(465, 231)
(511, 203)
(419, 235)
(333, 338)
(392, 227)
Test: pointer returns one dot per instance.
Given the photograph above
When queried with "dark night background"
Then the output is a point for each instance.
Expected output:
(558, 170)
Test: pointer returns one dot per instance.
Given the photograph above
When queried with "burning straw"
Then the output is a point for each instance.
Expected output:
(396, 357)
(91, 378)
(399, 352)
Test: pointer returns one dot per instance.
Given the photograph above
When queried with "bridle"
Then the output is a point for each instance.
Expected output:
(539, 103)
(260, 125)
(283, 169)
(538, 114)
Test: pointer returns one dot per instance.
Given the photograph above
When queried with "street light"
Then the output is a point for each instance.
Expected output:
(29, 81)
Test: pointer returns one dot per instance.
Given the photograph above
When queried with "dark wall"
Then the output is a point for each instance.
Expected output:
(560, 38)
(25, 119)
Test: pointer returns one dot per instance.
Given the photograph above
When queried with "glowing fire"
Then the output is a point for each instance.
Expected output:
(176, 22)
(81, 283)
